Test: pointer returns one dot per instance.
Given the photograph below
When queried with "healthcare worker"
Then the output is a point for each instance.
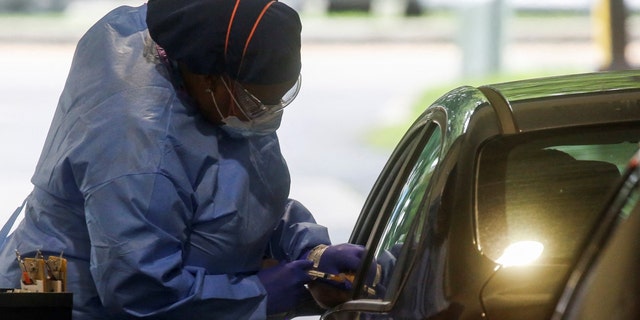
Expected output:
(161, 179)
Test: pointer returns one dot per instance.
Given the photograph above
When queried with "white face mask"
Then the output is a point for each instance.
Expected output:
(261, 126)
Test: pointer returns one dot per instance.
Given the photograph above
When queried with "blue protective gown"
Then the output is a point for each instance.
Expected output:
(159, 213)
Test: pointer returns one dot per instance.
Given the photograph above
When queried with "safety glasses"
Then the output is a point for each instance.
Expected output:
(251, 106)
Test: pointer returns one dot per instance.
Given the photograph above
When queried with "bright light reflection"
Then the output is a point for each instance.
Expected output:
(521, 253)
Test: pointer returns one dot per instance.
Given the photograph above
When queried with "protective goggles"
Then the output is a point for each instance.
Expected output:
(251, 106)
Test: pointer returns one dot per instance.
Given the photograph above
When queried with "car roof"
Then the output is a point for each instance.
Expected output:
(565, 101)
(569, 84)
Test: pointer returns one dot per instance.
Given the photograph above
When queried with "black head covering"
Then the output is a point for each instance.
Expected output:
(194, 32)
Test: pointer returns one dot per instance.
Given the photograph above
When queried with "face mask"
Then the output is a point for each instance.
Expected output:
(261, 126)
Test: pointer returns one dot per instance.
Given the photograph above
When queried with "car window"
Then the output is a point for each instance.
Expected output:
(612, 288)
(538, 195)
(400, 233)
(609, 287)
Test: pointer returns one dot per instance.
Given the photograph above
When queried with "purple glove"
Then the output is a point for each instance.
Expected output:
(341, 258)
(285, 284)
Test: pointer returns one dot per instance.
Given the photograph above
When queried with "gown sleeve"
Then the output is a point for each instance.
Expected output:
(138, 225)
(296, 233)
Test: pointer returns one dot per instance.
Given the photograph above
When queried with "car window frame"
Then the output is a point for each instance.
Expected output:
(369, 227)
(408, 157)
(405, 261)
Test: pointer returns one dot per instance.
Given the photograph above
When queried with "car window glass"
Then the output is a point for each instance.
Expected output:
(398, 235)
(386, 187)
(538, 195)
(611, 286)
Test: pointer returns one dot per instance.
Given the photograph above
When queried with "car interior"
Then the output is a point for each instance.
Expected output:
(546, 196)
(538, 198)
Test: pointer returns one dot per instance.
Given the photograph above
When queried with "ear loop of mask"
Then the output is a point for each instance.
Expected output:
(215, 103)
(233, 97)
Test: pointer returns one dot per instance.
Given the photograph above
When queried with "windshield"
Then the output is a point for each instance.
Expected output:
(539, 194)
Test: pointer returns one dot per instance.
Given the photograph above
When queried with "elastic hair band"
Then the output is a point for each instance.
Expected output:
(233, 16)
(253, 29)
(255, 25)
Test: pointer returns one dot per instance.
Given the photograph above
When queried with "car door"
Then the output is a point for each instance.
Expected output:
(605, 283)
(391, 225)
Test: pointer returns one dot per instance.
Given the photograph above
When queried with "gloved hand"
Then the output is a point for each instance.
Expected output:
(341, 258)
(285, 284)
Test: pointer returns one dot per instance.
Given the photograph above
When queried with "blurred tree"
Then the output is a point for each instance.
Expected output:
(610, 18)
